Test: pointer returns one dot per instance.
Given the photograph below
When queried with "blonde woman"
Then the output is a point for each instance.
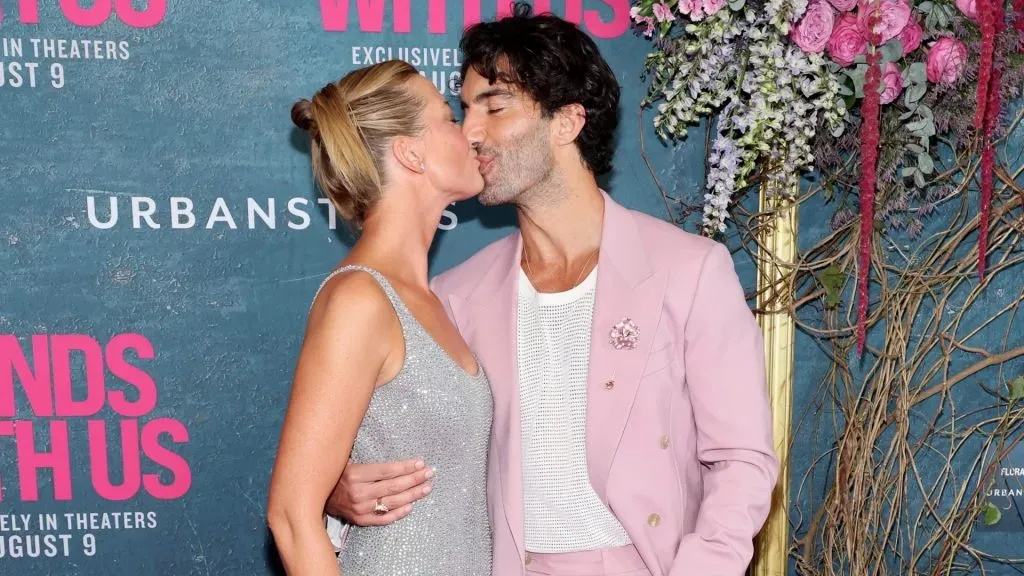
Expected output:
(383, 374)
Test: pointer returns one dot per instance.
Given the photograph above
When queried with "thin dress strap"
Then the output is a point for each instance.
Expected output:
(384, 284)
(405, 317)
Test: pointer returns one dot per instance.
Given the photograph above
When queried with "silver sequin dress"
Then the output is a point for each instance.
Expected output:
(435, 410)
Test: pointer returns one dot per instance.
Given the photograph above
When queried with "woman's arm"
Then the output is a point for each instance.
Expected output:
(349, 336)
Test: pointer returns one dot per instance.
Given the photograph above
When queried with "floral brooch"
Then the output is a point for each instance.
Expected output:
(624, 335)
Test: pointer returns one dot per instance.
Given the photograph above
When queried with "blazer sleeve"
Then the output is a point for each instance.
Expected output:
(725, 372)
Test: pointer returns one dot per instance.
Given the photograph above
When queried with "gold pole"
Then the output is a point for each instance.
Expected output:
(778, 250)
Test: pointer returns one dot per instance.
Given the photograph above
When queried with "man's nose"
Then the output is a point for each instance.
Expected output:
(474, 132)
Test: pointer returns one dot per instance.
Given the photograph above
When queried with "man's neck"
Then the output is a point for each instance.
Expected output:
(562, 235)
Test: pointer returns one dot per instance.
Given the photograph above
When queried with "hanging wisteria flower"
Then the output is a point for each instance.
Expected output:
(723, 166)
(739, 61)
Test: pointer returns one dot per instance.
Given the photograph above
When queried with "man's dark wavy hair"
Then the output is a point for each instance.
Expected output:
(556, 64)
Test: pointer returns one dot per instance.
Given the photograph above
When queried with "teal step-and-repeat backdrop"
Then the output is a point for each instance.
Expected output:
(160, 241)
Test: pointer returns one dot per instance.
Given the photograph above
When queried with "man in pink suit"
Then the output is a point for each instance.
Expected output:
(632, 428)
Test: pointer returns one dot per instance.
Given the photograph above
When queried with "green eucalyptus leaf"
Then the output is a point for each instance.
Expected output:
(919, 179)
(913, 94)
(892, 51)
(909, 171)
(856, 74)
(990, 514)
(917, 125)
(1016, 389)
(918, 72)
(832, 279)
(925, 163)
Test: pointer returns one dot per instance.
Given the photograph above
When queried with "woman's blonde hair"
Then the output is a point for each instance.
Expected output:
(351, 124)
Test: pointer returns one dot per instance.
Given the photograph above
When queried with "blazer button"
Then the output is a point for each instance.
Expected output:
(528, 558)
(609, 385)
(653, 520)
(664, 441)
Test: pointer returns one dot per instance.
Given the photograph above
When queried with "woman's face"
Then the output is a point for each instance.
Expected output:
(450, 160)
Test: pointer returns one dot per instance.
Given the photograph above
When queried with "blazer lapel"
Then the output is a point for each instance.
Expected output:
(628, 290)
(487, 320)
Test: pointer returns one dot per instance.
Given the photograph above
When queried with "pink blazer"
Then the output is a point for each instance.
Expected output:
(679, 437)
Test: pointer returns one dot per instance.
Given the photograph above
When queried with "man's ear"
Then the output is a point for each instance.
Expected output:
(568, 123)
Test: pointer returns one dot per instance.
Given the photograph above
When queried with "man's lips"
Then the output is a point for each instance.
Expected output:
(485, 162)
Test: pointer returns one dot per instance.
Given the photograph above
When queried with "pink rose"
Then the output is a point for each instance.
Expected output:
(847, 40)
(892, 82)
(969, 8)
(910, 36)
(812, 32)
(946, 60)
(893, 16)
(712, 6)
(843, 5)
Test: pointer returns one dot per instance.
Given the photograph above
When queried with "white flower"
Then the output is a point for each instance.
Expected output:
(768, 94)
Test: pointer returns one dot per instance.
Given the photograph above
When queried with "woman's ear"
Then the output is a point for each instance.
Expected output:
(409, 152)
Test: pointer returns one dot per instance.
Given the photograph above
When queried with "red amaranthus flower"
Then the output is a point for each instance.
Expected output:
(986, 17)
(869, 138)
(993, 20)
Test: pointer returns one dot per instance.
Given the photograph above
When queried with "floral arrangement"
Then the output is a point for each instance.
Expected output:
(862, 90)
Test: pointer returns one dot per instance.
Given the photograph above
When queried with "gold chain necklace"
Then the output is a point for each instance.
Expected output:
(526, 257)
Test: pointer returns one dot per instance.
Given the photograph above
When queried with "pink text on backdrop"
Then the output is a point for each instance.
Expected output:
(94, 12)
(47, 384)
(335, 15)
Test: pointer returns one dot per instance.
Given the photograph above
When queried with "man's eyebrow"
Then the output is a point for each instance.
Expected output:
(492, 92)
(487, 94)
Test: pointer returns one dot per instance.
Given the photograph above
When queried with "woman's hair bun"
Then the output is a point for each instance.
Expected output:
(302, 115)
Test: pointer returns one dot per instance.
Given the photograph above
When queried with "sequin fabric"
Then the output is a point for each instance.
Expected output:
(435, 410)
